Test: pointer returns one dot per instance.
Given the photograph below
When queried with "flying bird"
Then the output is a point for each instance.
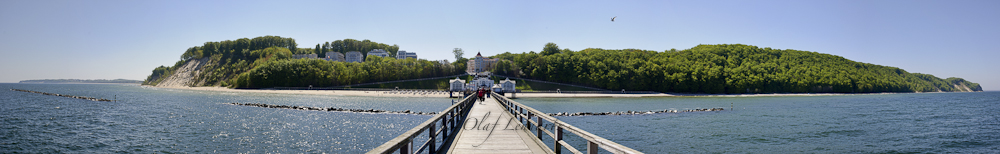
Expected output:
(613, 18)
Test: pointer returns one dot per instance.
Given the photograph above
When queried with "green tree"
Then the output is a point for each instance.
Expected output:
(326, 48)
(550, 49)
(318, 49)
(458, 53)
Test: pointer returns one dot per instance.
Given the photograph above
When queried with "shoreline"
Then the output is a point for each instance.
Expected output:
(318, 92)
(404, 93)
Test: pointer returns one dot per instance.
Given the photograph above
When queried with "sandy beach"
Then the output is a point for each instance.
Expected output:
(404, 93)
(408, 93)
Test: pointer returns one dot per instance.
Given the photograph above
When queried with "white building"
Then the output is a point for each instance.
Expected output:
(378, 52)
(411, 55)
(496, 88)
(482, 82)
(480, 64)
(402, 54)
(471, 86)
(300, 56)
(457, 84)
(508, 86)
(354, 56)
(335, 56)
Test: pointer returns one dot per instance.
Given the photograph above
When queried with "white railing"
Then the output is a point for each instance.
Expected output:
(525, 114)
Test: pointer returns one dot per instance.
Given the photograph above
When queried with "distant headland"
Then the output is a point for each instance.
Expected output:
(82, 81)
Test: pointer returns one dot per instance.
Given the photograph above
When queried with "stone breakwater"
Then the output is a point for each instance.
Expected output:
(331, 109)
(70, 96)
(631, 112)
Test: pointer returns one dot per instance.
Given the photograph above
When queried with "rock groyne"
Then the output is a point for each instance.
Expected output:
(434, 113)
(632, 112)
(331, 109)
(70, 96)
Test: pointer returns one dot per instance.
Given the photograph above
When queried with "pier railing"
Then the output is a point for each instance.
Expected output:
(525, 114)
(450, 120)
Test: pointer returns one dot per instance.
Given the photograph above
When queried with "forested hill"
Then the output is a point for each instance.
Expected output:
(724, 68)
(266, 61)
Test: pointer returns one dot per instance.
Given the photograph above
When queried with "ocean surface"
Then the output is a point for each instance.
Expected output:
(156, 120)
(870, 123)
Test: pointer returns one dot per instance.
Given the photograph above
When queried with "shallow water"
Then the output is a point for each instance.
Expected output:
(154, 120)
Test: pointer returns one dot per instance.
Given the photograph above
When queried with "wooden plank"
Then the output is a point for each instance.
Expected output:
(489, 129)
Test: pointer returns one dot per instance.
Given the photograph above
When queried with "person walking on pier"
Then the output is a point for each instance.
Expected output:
(479, 94)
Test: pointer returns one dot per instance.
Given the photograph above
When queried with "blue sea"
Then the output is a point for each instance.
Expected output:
(157, 120)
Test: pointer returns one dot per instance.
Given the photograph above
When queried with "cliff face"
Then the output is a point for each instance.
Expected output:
(961, 85)
(184, 76)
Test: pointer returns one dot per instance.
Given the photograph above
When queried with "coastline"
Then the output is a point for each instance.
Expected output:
(518, 95)
(316, 92)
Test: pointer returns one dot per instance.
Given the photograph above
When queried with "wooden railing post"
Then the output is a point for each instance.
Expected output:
(519, 117)
(451, 120)
(555, 144)
(432, 138)
(406, 149)
(527, 121)
(538, 127)
(444, 125)
(592, 147)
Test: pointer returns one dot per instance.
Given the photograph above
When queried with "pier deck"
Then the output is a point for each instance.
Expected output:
(497, 125)
(489, 129)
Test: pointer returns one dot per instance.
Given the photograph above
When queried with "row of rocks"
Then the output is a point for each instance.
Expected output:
(434, 113)
(331, 109)
(70, 96)
(631, 112)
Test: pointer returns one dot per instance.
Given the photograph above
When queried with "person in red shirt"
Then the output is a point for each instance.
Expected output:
(480, 95)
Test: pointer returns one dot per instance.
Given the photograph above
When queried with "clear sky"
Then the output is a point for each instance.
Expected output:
(107, 39)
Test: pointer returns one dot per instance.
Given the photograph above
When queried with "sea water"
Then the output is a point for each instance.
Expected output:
(157, 120)
(868, 123)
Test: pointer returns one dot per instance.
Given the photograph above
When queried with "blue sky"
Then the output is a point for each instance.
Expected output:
(126, 39)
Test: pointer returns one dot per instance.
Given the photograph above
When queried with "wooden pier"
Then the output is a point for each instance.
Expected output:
(490, 129)
(497, 125)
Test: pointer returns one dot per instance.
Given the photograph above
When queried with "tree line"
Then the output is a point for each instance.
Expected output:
(238, 47)
(247, 63)
(265, 61)
(723, 68)
(322, 73)
(348, 45)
